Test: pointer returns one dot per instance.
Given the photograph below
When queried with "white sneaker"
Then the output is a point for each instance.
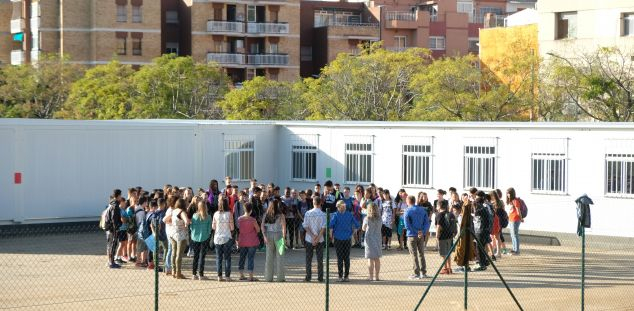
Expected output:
(424, 276)
(195, 277)
(413, 277)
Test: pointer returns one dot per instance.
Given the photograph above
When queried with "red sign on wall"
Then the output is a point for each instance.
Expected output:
(17, 178)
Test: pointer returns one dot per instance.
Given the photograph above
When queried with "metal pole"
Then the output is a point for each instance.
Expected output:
(437, 272)
(156, 272)
(583, 266)
(466, 269)
(327, 260)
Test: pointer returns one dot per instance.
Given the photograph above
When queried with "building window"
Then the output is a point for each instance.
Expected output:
(251, 13)
(548, 172)
(474, 45)
(359, 160)
(171, 17)
(137, 15)
(239, 157)
(121, 46)
(436, 43)
(619, 174)
(466, 7)
(171, 48)
(304, 157)
(136, 46)
(567, 25)
(306, 53)
(401, 42)
(416, 165)
(122, 13)
(628, 24)
(273, 48)
(479, 167)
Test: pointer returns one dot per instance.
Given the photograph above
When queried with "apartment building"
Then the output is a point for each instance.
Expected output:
(248, 38)
(567, 28)
(5, 32)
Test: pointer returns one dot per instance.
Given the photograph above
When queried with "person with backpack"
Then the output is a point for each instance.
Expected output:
(515, 218)
(482, 222)
(111, 220)
(140, 219)
(446, 229)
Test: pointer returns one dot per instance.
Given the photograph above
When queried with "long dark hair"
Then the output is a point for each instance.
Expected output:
(273, 211)
(511, 195)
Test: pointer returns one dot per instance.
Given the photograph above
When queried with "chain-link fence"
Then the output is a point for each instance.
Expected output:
(64, 267)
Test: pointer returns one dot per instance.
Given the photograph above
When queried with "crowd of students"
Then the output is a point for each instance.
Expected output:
(261, 218)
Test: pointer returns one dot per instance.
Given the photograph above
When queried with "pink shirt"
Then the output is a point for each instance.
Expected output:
(248, 235)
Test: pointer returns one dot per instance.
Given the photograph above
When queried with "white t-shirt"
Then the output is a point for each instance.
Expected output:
(169, 228)
(314, 221)
(223, 227)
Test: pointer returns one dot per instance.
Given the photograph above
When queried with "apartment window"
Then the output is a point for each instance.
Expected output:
(122, 13)
(436, 43)
(171, 48)
(628, 24)
(466, 7)
(304, 157)
(548, 172)
(479, 166)
(137, 16)
(306, 53)
(171, 17)
(359, 159)
(251, 15)
(473, 45)
(273, 48)
(239, 157)
(121, 46)
(416, 165)
(401, 42)
(619, 174)
(136, 46)
(566, 25)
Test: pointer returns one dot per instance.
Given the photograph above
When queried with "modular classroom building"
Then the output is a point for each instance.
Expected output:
(64, 171)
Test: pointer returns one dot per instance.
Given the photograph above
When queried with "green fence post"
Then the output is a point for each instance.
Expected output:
(327, 259)
(583, 266)
(156, 272)
(466, 269)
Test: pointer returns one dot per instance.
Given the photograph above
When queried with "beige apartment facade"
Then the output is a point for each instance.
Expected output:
(248, 38)
(6, 40)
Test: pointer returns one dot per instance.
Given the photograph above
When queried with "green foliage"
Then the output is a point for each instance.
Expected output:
(263, 99)
(36, 91)
(105, 92)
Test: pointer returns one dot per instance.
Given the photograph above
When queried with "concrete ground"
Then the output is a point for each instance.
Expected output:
(67, 272)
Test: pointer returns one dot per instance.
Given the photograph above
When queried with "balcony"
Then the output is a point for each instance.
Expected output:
(17, 25)
(268, 59)
(223, 26)
(226, 58)
(17, 57)
(268, 28)
(401, 20)
(397, 48)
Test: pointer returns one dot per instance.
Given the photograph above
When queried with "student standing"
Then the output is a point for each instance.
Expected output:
(179, 236)
(200, 233)
(223, 226)
(342, 226)
(515, 219)
(372, 227)
(445, 232)
(387, 217)
(315, 226)
(274, 230)
(248, 242)
(417, 226)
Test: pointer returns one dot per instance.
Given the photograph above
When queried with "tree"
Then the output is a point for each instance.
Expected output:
(372, 86)
(37, 91)
(105, 92)
(176, 87)
(454, 88)
(599, 83)
(263, 99)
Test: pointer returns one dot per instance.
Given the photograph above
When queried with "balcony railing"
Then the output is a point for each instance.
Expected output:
(397, 48)
(400, 16)
(268, 59)
(17, 25)
(268, 28)
(226, 58)
(17, 57)
(223, 26)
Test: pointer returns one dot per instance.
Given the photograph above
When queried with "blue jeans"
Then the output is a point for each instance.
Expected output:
(515, 236)
(168, 256)
(223, 253)
(247, 254)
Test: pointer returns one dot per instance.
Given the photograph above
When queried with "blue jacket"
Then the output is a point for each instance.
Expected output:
(416, 219)
(341, 225)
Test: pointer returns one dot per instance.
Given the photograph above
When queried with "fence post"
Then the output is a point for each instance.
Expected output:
(583, 266)
(327, 259)
(156, 272)
(466, 269)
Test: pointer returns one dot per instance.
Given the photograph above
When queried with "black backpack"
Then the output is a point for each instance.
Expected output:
(503, 217)
(452, 224)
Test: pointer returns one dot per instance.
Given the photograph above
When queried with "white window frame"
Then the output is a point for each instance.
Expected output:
(477, 42)
(463, 6)
(171, 48)
(549, 166)
(401, 41)
(122, 13)
(439, 43)
(244, 147)
(417, 162)
(621, 152)
(274, 48)
(252, 14)
(137, 14)
(356, 149)
(480, 154)
(628, 20)
(302, 147)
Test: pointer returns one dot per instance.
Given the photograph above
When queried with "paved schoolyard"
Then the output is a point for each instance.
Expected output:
(67, 272)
